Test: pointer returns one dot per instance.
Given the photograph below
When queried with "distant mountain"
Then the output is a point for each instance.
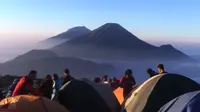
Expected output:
(63, 37)
(112, 41)
(47, 62)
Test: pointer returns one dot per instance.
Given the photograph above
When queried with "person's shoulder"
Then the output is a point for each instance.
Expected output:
(23, 78)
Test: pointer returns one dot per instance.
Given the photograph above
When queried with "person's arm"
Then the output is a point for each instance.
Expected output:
(121, 83)
(134, 82)
(28, 89)
(63, 81)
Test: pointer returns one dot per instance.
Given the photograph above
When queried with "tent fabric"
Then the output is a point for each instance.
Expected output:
(188, 102)
(85, 96)
(27, 103)
(157, 91)
(119, 94)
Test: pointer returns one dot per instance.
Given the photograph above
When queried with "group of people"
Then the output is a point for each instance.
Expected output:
(48, 88)
(52, 84)
(127, 81)
(161, 70)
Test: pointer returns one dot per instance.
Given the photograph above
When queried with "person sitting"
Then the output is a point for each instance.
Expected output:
(67, 77)
(127, 82)
(114, 83)
(105, 79)
(25, 85)
(161, 69)
(151, 72)
(97, 80)
(47, 87)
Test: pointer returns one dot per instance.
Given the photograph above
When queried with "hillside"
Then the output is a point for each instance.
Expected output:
(47, 62)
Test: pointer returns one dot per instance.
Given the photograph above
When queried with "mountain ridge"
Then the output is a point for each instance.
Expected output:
(63, 37)
(113, 41)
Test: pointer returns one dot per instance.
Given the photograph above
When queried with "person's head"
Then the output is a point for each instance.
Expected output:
(32, 75)
(55, 77)
(66, 72)
(160, 68)
(150, 72)
(128, 73)
(110, 80)
(114, 79)
(97, 80)
(105, 77)
(48, 77)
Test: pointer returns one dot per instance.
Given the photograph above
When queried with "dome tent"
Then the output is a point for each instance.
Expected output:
(27, 103)
(85, 96)
(188, 102)
(157, 91)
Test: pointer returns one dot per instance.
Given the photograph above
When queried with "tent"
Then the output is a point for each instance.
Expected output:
(188, 102)
(27, 103)
(85, 96)
(157, 91)
(119, 94)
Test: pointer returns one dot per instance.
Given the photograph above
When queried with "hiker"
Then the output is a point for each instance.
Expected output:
(97, 80)
(11, 88)
(151, 72)
(105, 79)
(25, 85)
(114, 83)
(161, 69)
(127, 82)
(47, 87)
(56, 84)
(67, 77)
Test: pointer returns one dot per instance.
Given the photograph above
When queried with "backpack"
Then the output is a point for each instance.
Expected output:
(12, 88)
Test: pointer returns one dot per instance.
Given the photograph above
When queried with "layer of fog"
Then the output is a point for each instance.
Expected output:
(139, 68)
(9, 51)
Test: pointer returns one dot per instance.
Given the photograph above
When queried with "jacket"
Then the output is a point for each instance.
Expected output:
(67, 79)
(24, 86)
(56, 86)
(47, 88)
(127, 83)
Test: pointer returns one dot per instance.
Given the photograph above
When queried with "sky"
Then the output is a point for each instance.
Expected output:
(157, 21)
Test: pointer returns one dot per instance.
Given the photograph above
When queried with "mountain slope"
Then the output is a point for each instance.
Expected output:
(46, 62)
(65, 36)
(112, 41)
(196, 57)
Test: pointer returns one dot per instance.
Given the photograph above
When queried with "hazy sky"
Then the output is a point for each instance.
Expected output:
(176, 21)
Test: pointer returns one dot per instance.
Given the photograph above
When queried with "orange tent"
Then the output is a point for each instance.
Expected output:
(27, 103)
(119, 94)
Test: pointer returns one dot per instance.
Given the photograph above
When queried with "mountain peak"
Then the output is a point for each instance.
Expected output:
(113, 41)
(167, 46)
(78, 28)
(112, 26)
(110, 35)
(63, 37)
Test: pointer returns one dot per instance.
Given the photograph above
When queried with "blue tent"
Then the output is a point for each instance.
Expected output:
(189, 102)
